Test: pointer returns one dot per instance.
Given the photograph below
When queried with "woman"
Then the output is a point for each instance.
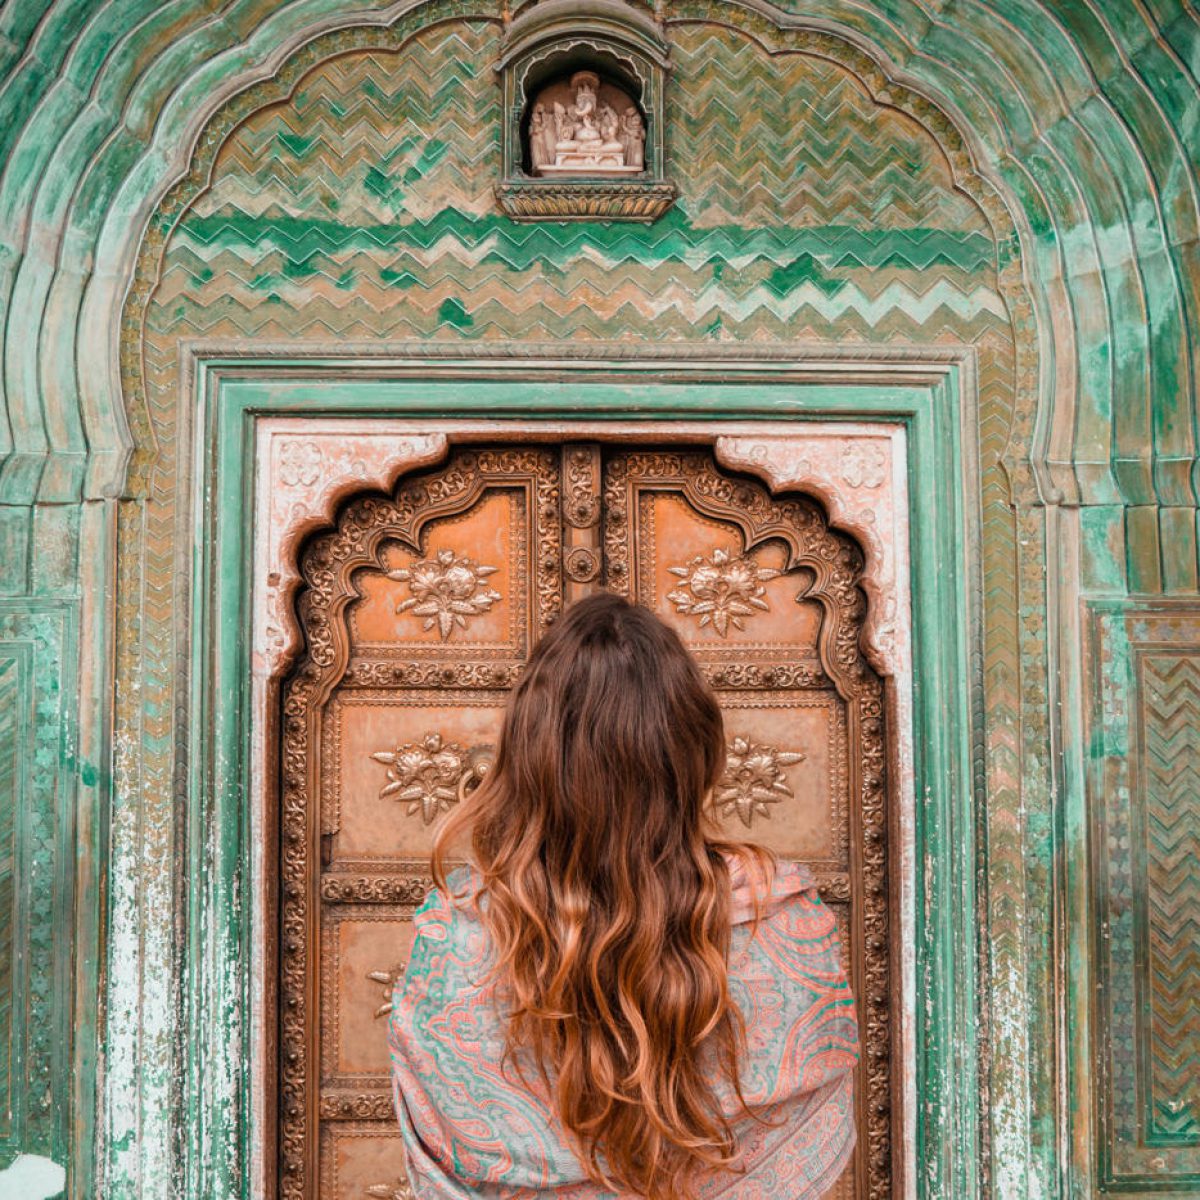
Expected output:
(611, 1000)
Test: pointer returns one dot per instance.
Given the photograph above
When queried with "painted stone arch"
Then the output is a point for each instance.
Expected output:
(347, 202)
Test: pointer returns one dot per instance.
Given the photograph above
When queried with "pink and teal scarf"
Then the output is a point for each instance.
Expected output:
(473, 1131)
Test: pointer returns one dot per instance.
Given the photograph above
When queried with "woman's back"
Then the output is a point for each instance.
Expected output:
(476, 1126)
(590, 1010)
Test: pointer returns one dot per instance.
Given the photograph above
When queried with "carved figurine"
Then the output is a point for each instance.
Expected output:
(538, 125)
(609, 123)
(633, 138)
(549, 135)
(587, 132)
(563, 127)
(583, 111)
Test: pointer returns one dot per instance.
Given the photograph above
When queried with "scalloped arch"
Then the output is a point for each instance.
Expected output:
(1084, 119)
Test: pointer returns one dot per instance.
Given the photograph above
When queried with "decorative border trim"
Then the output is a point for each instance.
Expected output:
(932, 389)
(584, 200)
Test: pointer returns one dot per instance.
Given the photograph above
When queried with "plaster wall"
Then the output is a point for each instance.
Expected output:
(1013, 184)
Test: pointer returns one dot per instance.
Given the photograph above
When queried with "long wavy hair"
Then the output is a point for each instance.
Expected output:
(605, 888)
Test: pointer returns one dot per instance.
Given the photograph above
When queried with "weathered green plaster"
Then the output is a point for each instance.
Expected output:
(37, 697)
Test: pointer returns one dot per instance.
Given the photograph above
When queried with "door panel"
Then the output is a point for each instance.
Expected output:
(420, 609)
(765, 595)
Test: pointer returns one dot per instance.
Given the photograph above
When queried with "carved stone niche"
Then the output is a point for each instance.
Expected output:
(583, 113)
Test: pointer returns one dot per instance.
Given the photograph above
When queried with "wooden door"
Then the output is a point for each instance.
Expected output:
(419, 609)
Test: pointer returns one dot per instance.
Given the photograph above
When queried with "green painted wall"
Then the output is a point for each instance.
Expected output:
(1017, 177)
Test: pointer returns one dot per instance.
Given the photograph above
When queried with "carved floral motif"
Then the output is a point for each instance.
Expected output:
(300, 463)
(753, 780)
(581, 503)
(387, 980)
(446, 590)
(431, 775)
(864, 464)
(391, 1191)
(721, 589)
(375, 889)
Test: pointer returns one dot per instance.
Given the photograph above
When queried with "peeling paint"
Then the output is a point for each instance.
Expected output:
(32, 1177)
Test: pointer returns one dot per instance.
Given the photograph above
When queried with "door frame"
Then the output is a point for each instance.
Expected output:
(680, 390)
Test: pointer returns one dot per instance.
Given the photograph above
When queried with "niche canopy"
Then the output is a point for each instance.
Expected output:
(583, 114)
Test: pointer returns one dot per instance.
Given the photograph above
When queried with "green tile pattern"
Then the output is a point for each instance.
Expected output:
(1145, 721)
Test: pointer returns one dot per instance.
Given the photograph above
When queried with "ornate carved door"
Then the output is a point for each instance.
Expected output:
(419, 609)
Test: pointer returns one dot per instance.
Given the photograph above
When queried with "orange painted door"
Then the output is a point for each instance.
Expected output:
(419, 609)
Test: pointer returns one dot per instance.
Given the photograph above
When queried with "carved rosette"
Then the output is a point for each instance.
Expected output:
(753, 780)
(431, 776)
(581, 499)
(721, 588)
(446, 590)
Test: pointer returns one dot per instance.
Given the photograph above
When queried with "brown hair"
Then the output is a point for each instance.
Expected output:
(605, 890)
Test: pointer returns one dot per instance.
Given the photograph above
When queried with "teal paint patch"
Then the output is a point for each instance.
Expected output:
(296, 144)
(804, 268)
(674, 238)
(451, 312)
(399, 279)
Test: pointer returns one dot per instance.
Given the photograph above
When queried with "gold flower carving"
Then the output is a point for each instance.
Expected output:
(721, 589)
(753, 780)
(446, 590)
(431, 775)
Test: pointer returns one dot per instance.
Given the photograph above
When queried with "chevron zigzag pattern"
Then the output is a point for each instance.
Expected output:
(1171, 716)
(362, 208)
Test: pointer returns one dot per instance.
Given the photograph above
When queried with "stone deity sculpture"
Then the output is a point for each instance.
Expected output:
(633, 138)
(609, 123)
(538, 125)
(586, 136)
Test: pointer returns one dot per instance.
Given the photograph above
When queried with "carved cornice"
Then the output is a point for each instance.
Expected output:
(584, 199)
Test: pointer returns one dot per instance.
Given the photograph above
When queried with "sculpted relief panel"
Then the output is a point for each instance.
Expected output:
(418, 608)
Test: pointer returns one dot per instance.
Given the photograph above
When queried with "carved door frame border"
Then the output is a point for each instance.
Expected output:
(687, 394)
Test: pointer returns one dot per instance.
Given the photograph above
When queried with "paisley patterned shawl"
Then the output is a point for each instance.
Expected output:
(473, 1129)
